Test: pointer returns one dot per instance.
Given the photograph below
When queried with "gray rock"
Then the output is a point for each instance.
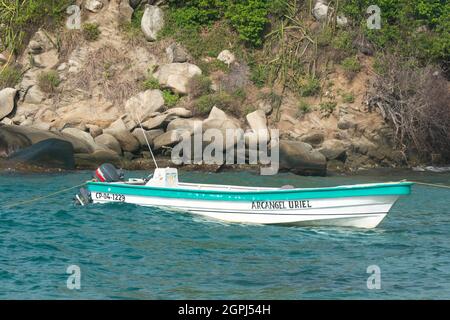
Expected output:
(227, 57)
(150, 134)
(179, 112)
(320, 11)
(109, 142)
(125, 11)
(265, 106)
(176, 53)
(176, 76)
(93, 5)
(50, 153)
(7, 101)
(300, 158)
(127, 141)
(94, 130)
(314, 138)
(167, 139)
(184, 124)
(257, 120)
(152, 22)
(333, 150)
(144, 104)
(155, 122)
(80, 135)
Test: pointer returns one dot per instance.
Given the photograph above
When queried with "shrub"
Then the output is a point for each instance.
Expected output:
(348, 97)
(9, 76)
(303, 108)
(48, 81)
(351, 66)
(199, 85)
(259, 75)
(310, 87)
(19, 19)
(328, 107)
(91, 32)
(222, 100)
(170, 98)
(150, 83)
(249, 18)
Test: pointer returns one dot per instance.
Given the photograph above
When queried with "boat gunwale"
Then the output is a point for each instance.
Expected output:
(257, 192)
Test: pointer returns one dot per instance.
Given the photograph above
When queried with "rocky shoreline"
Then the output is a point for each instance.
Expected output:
(92, 114)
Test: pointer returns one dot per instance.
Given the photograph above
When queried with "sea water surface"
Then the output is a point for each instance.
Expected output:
(130, 252)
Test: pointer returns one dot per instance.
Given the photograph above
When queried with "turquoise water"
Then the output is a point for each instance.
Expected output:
(130, 252)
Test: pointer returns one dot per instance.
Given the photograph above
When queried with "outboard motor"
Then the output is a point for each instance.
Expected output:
(83, 198)
(108, 173)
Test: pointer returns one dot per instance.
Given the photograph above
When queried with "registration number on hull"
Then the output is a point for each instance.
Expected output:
(110, 196)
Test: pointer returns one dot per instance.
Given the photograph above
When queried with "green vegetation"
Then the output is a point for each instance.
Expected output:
(199, 85)
(48, 81)
(310, 87)
(91, 32)
(351, 66)
(328, 107)
(348, 97)
(303, 108)
(401, 21)
(19, 19)
(259, 75)
(9, 76)
(151, 83)
(170, 98)
(221, 100)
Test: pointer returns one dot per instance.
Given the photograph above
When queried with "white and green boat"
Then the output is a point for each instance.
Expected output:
(362, 205)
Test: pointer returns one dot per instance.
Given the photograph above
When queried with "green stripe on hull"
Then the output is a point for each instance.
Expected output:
(387, 189)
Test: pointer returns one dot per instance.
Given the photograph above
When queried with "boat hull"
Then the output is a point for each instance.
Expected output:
(348, 207)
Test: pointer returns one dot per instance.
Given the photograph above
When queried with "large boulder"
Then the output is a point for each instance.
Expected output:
(151, 135)
(155, 122)
(35, 135)
(257, 120)
(176, 53)
(81, 135)
(50, 153)
(7, 101)
(11, 141)
(333, 149)
(152, 22)
(184, 124)
(109, 142)
(167, 139)
(300, 158)
(176, 76)
(127, 141)
(314, 137)
(144, 104)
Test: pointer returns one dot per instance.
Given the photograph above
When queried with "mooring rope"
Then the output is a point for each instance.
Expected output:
(431, 184)
(41, 197)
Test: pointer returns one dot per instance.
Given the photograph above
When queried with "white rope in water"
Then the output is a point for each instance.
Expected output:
(431, 184)
(146, 140)
(41, 197)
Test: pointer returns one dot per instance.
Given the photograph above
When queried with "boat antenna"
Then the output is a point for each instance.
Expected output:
(146, 140)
